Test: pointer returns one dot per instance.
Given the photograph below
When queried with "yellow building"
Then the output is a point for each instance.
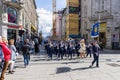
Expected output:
(72, 18)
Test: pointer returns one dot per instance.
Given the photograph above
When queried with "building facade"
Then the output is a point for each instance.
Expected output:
(63, 30)
(15, 20)
(29, 19)
(61, 24)
(10, 18)
(72, 18)
(85, 22)
(58, 26)
(107, 12)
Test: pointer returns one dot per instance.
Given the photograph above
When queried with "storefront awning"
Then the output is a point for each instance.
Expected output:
(11, 25)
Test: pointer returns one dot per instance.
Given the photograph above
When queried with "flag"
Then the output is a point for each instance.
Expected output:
(95, 30)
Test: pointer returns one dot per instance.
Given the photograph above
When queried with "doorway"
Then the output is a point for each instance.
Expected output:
(102, 38)
(11, 34)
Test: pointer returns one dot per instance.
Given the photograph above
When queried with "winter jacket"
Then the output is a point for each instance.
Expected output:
(6, 51)
(26, 48)
(13, 52)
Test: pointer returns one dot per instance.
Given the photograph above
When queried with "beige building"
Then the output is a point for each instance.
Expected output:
(85, 22)
(107, 12)
(72, 18)
(29, 18)
(19, 18)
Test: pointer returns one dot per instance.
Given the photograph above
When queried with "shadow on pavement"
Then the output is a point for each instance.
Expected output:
(83, 68)
(20, 66)
(68, 69)
(63, 70)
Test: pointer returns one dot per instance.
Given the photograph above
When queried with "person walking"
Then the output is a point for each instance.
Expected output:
(88, 49)
(1, 59)
(13, 55)
(70, 51)
(17, 44)
(51, 50)
(77, 47)
(32, 48)
(95, 49)
(26, 54)
(6, 52)
(82, 49)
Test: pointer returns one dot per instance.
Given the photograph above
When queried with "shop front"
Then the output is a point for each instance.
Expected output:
(12, 27)
(102, 33)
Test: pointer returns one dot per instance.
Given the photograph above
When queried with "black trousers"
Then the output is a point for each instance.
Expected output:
(96, 59)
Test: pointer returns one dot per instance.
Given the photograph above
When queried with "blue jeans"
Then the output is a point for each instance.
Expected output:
(26, 60)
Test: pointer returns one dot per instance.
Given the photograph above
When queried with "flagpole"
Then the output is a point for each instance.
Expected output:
(99, 18)
(99, 24)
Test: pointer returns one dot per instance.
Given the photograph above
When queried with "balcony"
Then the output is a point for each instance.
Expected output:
(104, 15)
(14, 3)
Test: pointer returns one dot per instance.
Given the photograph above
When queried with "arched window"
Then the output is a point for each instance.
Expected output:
(12, 15)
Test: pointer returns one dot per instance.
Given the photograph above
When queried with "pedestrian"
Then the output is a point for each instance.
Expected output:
(82, 49)
(61, 49)
(1, 58)
(26, 50)
(51, 50)
(47, 47)
(6, 53)
(88, 50)
(36, 45)
(13, 56)
(95, 49)
(17, 44)
(70, 51)
(101, 46)
(32, 47)
(77, 47)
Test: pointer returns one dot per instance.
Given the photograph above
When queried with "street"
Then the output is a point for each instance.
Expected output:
(42, 69)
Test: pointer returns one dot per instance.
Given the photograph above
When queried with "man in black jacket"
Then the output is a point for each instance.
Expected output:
(26, 52)
(95, 49)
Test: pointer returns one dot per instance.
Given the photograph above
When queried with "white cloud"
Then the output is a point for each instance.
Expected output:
(45, 21)
(61, 4)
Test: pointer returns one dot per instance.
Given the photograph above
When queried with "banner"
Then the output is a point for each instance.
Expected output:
(95, 30)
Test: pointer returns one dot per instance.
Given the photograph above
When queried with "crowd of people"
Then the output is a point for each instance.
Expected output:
(73, 49)
(10, 49)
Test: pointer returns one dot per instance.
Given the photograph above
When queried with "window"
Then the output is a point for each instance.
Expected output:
(102, 5)
(12, 15)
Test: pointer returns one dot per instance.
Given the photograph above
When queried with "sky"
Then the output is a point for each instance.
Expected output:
(44, 10)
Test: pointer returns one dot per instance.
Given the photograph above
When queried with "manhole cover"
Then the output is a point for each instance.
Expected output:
(114, 65)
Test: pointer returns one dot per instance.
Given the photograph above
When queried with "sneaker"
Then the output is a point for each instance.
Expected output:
(90, 66)
(10, 72)
(13, 71)
(97, 66)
